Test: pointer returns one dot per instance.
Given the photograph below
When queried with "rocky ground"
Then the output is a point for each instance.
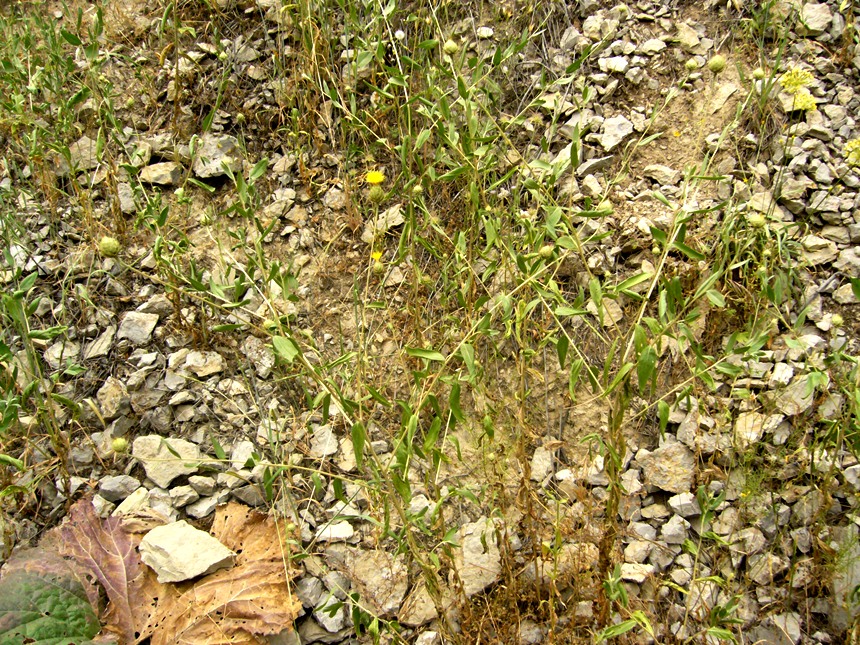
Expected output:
(219, 353)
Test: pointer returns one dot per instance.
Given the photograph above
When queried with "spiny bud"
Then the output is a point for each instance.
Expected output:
(109, 247)
(717, 63)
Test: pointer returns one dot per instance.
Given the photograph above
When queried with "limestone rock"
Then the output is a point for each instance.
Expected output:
(615, 130)
(670, 468)
(379, 577)
(166, 173)
(215, 151)
(478, 560)
(178, 552)
(137, 327)
(158, 460)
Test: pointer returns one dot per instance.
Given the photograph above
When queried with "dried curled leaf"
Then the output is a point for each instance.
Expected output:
(239, 605)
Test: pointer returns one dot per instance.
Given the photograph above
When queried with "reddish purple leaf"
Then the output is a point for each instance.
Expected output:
(108, 552)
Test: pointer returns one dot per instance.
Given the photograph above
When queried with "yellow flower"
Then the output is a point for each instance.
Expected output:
(852, 152)
(374, 177)
(804, 100)
(795, 79)
(376, 255)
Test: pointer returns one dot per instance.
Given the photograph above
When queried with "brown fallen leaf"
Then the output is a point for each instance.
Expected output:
(234, 606)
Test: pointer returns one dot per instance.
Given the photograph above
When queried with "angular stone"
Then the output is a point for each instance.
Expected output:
(261, 356)
(796, 398)
(749, 428)
(478, 560)
(381, 578)
(215, 151)
(815, 19)
(203, 364)
(101, 345)
(166, 173)
(383, 222)
(663, 175)
(183, 496)
(82, 154)
(113, 399)
(62, 353)
(158, 460)
(541, 466)
(337, 532)
(615, 130)
(652, 46)
(178, 552)
(117, 487)
(203, 507)
(324, 442)
(670, 468)
(137, 327)
(684, 504)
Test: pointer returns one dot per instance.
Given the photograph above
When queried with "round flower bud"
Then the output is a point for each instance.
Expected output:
(836, 320)
(717, 63)
(109, 247)
(758, 73)
(119, 445)
(450, 47)
(417, 189)
(756, 220)
(546, 251)
(376, 194)
(379, 267)
(691, 65)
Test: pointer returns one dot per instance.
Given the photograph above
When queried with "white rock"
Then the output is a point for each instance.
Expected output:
(137, 327)
(541, 466)
(204, 364)
(749, 428)
(324, 442)
(214, 152)
(615, 130)
(670, 468)
(383, 222)
(381, 578)
(815, 19)
(478, 560)
(167, 173)
(178, 552)
(338, 532)
(158, 460)
(636, 572)
(684, 504)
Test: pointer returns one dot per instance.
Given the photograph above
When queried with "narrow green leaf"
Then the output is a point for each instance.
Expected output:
(359, 435)
(663, 415)
(427, 354)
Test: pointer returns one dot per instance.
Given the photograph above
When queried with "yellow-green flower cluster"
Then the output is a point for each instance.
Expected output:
(852, 152)
(795, 82)
(796, 79)
(803, 100)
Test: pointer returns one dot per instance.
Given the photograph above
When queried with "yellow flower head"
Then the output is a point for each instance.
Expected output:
(804, 100)
(374, 177)
(852, 152)
(376, 255)
(795, 79)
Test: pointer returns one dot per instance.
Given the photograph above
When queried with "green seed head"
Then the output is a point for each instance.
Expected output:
(836, 320)
(758, 73)
(450, 47)
(119, 445)
(717, 63)
(546, 251)
(691, 65)
(376, 194)
(378, 267)
(109, 247)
